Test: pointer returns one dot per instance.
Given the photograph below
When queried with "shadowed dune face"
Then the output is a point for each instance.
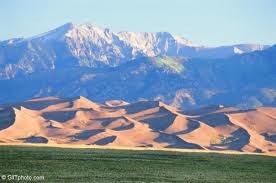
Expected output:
(215, 119)
(239, 139)
(175, 142)
(140, 106)
(235, 141)
(105, 140)
(202, 111)
(190, 126)
(86, 134)
(59, 116)
(160, 123)
(54, 120)
(7, 117)
(269, 137)
(35, 139)
(42, 103)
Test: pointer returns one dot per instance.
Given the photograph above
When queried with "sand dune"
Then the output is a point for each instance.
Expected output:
(79, 121)
(22, 125)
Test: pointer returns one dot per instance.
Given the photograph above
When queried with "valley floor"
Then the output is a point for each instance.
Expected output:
(107, 165)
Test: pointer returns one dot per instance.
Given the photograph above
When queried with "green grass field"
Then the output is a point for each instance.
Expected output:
(96, 165)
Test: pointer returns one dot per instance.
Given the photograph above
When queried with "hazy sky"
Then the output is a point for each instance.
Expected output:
(212, 22)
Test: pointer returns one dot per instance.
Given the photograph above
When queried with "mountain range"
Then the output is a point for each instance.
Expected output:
(102, 65)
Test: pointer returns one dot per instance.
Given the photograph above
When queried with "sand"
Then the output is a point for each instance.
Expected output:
(151, 125)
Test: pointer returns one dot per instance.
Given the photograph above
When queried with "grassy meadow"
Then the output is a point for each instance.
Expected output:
(99, 165)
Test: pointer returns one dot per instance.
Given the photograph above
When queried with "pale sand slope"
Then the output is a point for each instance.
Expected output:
(76, 122)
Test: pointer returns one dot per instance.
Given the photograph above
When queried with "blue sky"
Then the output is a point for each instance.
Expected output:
(212, 22)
